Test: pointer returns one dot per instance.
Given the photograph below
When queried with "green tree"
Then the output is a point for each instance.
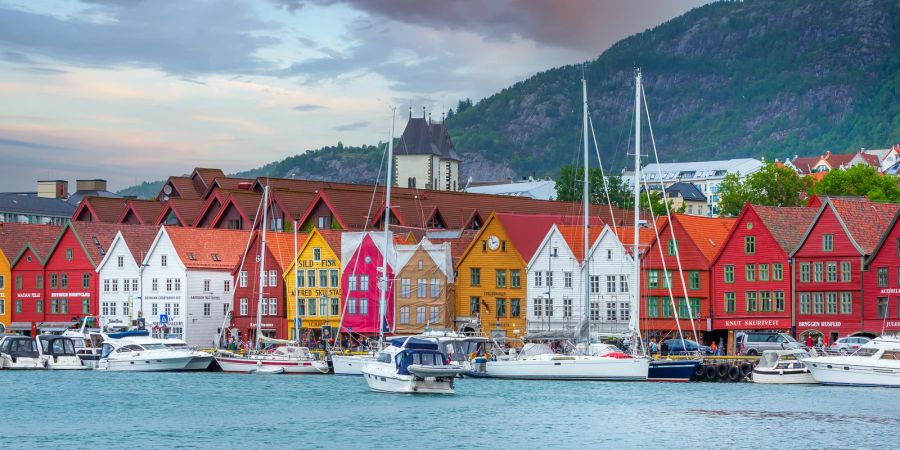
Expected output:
(772, 186)
(569, 188)
(859, 180)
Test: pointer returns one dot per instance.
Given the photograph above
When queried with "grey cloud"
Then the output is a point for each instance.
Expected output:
(176, 37)
(351, 126)
(34, 145)
(16, 57)
(307, 107)
(290, 6)
(45, 71)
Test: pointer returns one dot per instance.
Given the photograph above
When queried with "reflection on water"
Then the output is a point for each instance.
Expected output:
(796, 415)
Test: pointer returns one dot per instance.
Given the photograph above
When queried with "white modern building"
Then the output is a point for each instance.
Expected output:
(188, 286)
(529, 188)
(119, 275)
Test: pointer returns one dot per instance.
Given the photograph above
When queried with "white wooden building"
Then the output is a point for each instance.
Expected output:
(119, 275)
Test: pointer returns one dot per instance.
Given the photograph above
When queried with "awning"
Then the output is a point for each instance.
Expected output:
(54, 326)
(19, 326)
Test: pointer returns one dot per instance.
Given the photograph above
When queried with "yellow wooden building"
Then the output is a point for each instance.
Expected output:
(313, 285)
(5, 289)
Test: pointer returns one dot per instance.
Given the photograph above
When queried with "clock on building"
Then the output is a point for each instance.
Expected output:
(494, 242)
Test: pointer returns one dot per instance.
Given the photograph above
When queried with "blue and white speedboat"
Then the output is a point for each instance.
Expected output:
(411, 366)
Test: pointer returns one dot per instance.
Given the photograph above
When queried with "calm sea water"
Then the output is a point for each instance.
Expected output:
(215, 410)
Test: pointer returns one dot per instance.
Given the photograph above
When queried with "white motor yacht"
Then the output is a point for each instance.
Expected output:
(783, 367)
(288, 359)
(876, 363)
(137, 351)
(19, 352)
(350, 364)
(201, 360)
(58, 353)
(411, 366)
(537, 361)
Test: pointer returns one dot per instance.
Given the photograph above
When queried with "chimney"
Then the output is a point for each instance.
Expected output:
(90, 185)
(423, 112)
(410, 111)
(53, 189)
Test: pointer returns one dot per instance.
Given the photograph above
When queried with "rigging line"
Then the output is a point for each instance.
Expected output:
(612, 216)
(662, 258)
(669, 215)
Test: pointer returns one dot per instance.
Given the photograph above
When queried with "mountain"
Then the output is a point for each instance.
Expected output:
(759, 78)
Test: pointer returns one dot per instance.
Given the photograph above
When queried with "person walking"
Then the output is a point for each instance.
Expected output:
(715, 348)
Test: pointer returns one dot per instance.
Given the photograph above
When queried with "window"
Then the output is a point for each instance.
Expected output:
(595, 284)
(323, 278)
(177, 285)
(763, 272)
(694, 280)
(501, 278)
(323, 307)
(168, 308)
(567, 279)
(273, 306)
(18, 306)
(225, 309)
(163, 260)
(729, 274)
(882, 307)
(364, 306)
(846, 302)
(85, 306)
(64, 306)
(608, 254)
(624, 311)
(653, 278)
(846, 271)
(405, 287)
(334, 278)
(475, 276)
(434, 314)
(729, 302)
(154, 309)
(301, 307)
(2, 306)
(244, 305)
(623, 283)
(818, 269)
(515, 307)
(672, 247)
(749, 245)
(474, 305)
(273, 279)
(126, 285)
(121, 261)
(567, 308)
(421, 264)
(317, 254)
(682, 308)
(750, 272)
(804, 272)
(154, 284)
(404, 314)
(779, 301)
(804, 303)
(831, 303)
(483, 246)
(421, 288)
(435, 288)
(242, 278)
(105, 286)
(86, 281)
(595, 311)
(611, 309)
(827, 242)
(652, 307)
(226, 286)
(515, 278)
(175, 309)
(364, 283)
(777, 272)
(501, 307)
(667, 279)
(70, 254)
(882, 277)
(39, 306)
(818, 303)
(667, 308)
(548, 307)
(831, 273)
(53, 281)
(64, 281)
(115, 285)
(765, 301)
(311, 306)
(351, 282)
(538, 278)
(263, 308)
(898, 247)
(134, 284)
(538, 305)
(335, 307)
(751, 301)
(611, 284)
(206, 287)
(38, 282)
(311, 280)
(206, 307)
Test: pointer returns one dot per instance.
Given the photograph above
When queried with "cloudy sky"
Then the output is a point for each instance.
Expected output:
(134, 90)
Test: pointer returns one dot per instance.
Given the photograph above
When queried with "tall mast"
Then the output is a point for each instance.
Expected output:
(586, 201)
(262, 264)
(636, 303)
(382, 301)
(296, 288)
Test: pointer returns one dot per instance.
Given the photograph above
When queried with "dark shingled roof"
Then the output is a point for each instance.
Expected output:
(33, 205)
(422, 138)
(687, 191)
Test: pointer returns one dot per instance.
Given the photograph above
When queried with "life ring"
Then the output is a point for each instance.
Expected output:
(710, 373)
(722, 370)
(734, 373)
(746, 369)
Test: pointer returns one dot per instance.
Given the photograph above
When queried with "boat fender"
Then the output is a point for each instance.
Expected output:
(710, 373)
(780, 371)
(746, 369)
(734, 373)
(722, 369)
(698, 371)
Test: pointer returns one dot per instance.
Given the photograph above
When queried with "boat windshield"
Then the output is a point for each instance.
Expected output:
(153, 346)
(384, 357)
(866, 352)
(768, 359)
(535, 349)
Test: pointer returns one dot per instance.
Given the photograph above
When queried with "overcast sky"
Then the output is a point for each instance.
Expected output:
(135, 90)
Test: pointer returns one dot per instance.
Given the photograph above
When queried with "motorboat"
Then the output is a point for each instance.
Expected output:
(58, 353)
(411, 366)
(876, 363)
(350, 364)
(137, 351)
(538, 361)
(287, 359)
(19, 352)
(201, 360)
(88, 342)
(783, 367)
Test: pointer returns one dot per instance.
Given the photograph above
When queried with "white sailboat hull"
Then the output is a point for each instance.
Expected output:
(855, 371)
(570, 368)
(382, 377)
(794, 376)
(350, 364)
(250, 364)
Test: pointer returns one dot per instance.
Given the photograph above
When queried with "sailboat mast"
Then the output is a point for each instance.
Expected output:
(296, 287)
(262, 264)
(586, 200)
(636, 305)
(382, 301)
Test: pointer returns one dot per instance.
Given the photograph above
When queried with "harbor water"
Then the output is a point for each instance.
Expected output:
(43, 409)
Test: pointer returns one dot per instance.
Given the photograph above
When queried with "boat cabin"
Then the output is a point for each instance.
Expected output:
(19, 347)
(54, 345)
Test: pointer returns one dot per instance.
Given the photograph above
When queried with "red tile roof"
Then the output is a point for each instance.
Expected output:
(103, 209)
(96, 238)
(139, 239)
(186, 210)
(14, 237)
(208, 248)
(786, 224)
(184, 187)
(333, 239)
(207, 176)
(574, 237)
(145, 210)
(865, 221)
(527, 231)
(708, 233)
(458, 245)
(645, 236)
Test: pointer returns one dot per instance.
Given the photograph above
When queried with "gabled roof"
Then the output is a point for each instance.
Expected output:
(865, 221)
(101, 209)
(786, 224)
(183, 187)
(187, 211)
(203, 177)
(146, 211)
(138, 239)
(884, 237)
(293, 203)
(228, 183)
(645, 236)
(527, 231)
(208, 248)
(245, 203)
(421, 138)
(16, 237)
(93, 237)
(687, 191)
(574, 238)
(707, 233)
(332, 238)
(280, 245)
(459, 242)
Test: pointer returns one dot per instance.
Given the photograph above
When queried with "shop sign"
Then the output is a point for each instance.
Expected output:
(330, 292)
(69, 294)
(756, 323)
(28, 295)
(308, 263)
(205, 297)
(890, 291)
(819, 324)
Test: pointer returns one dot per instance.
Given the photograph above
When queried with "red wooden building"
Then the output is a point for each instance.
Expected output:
(881, 284)
(27, 272)
(278, 256)
(828, 265)
(360, 282)
(751, 273)
(697, 240)
(70, 279)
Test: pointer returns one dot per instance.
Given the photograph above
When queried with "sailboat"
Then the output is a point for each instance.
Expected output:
(287, 357)
(538, 361)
